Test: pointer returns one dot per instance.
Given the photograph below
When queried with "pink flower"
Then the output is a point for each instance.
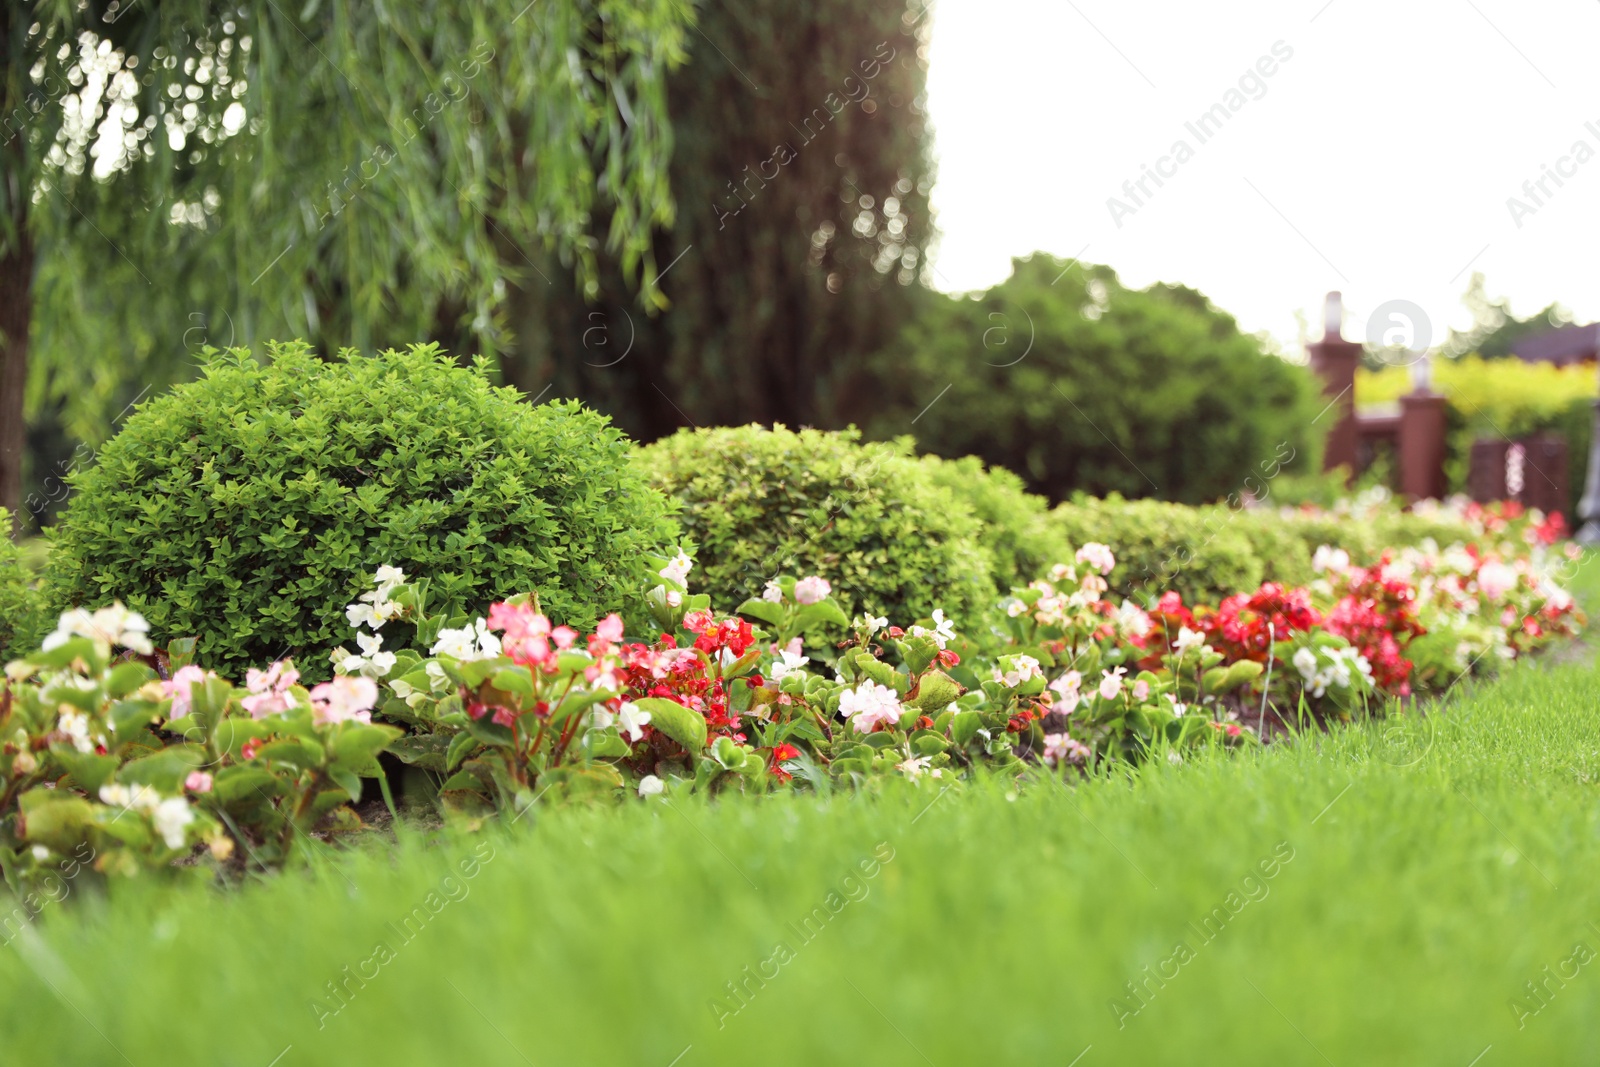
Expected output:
(1058, 747)
(870, 704)
(348, 697)
(563, 636)
(1111, 683)
(198, 782)
(270, 689)
(610, 628)
(1141, 690)
(811, 590)
(1495, 580)
(1067, 688)
(1097, 556)
(180, 689)
(527, 633)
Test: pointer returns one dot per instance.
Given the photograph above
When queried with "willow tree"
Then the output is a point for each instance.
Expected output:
(801, 171)
(354, 173)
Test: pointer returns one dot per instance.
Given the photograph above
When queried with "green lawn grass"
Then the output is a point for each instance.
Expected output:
(1422, 873)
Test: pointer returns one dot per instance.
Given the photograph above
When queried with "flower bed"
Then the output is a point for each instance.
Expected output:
(146, 757)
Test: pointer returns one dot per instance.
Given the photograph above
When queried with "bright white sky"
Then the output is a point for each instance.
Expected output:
(1390, 141)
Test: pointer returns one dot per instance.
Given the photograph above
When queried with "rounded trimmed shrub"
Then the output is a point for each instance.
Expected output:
(1016, 526)
(1203, 553)
(21, 604)
(869, 518)
(251, 506)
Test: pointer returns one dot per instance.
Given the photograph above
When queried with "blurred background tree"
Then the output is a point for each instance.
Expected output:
(801, 168)
(1079, 384)
(197, 172)
(1495, 328)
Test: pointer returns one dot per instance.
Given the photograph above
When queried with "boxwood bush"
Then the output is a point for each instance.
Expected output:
(869, 518)
(1200, 552)
(251, 506)
(1017, 532)
(21, 605)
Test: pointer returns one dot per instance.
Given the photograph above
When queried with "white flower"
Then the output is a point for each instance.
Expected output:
(1178, 707)
(1305, 661)
(874, 623)
(633, 719)
(786, 664)
(1012, 671)
(468, 643)
(812, 590)
(362, 615)
(114, 625)
(1326, 559)
(677, 571)
(773, 593)
(1097, 556)
(870, 704)
(170, 818)
(75, 724)
(1131, 620)
(914, 767)
(140, 798)
(650, 786)
(1188, 639)
(944, 630)
(372, 662)
(388, 577)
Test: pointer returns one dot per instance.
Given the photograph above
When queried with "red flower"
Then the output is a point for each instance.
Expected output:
(782, 754)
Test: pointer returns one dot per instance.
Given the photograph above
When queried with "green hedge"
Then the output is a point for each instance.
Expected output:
(870, 519)
(1206, 553)
(1022, 542)
(251, 506)
(21, 604)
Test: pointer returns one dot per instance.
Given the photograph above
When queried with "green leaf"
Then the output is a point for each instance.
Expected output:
(822, 613)
(762, 610)
(56, 818)
(964, 727)
(462, 744)
(89, 771)
(686, 727)
(514, 680)
(488, 731)
(429, 751)
(358, 744)
(1246, 670)
(935, 692)
(233, 784)
(349, 781)
(463, 781)
(126, 677)
(127, 716)
(294, 753)
(601, 744)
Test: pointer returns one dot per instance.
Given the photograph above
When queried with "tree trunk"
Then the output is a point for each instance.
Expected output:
(16, 304)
